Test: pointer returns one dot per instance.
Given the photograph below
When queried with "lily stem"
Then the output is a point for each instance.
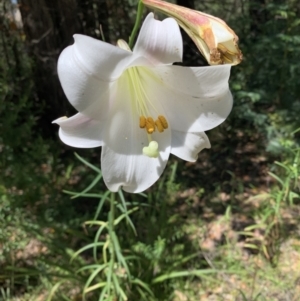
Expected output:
(137, 23)
(111, 230)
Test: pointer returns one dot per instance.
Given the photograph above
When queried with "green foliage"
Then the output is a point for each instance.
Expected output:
(265, 85)
(149, 249)
(134, 262)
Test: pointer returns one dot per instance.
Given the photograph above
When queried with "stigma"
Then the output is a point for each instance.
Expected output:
(151, 150)
(148, 123)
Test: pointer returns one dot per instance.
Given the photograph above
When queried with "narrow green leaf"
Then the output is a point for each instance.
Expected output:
(54, 289)
(87, 287)
(118, 253)
(89, 246)
(143, 285)
(198, 273)
(94, 287)
(88, 164)
(118, 288)
(101, 203)
(276, 178)
(92, 185)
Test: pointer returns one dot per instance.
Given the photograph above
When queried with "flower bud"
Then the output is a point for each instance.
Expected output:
(213, 37)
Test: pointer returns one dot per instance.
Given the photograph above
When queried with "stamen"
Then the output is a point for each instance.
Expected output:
(150, 125)
(159, 125)
(141, 105)
(224, 50)
(163, 121)
(226, 58)
(142, 122)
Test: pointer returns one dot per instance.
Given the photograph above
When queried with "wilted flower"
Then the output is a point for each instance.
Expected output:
(213, 37)
(137, 105)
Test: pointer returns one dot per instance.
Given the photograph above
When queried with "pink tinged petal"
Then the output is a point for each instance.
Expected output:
(80, 131)
(122, 161)
(159, 41)
(205, 106)
(187, 146)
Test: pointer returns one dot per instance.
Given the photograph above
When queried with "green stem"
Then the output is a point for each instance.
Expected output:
(111, 229)
(111, 218)
(137, 24)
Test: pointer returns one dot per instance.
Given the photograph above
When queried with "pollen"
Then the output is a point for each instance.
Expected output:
(163, 121)
(142, 122)
(159, 125)
(150, 125)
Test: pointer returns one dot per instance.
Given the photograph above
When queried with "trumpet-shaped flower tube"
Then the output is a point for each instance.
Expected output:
(137, 106)
(214, 38)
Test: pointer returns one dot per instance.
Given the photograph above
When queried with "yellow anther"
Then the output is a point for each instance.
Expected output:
(224, 50)
(150, 119)
(159, 125)
(163, 121)
(150, 125)
(226, 58)
(142, 122)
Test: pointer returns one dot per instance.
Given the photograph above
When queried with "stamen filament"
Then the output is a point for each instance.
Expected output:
(141, 104)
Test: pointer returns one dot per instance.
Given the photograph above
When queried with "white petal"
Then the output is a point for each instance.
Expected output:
(122, 161)
(187, 146)
(221, 31)
(80, 131)
(188, 112)
(159, 41)
(87, 93)
(177, 78)
(100, 59)
(213, 80)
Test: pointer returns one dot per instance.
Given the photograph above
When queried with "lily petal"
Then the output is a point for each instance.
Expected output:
(187, 146)
(159, 41)
(213, 80)
(122, 161)
(80, 131)
(86, 92)
(186, 111)
(100, 59)
(177, 78)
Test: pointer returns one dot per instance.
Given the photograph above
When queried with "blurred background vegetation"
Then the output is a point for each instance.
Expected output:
(234, 212)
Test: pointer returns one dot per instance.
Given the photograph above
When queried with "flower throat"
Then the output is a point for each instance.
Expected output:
(141, 104)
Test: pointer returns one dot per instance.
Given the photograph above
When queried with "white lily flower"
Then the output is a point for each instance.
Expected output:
(137, 105)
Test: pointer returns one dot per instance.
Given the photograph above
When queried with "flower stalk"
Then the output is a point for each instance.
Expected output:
(137, 24)
(111, 230)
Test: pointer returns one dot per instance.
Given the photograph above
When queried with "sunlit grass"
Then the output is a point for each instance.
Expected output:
(183, 250)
